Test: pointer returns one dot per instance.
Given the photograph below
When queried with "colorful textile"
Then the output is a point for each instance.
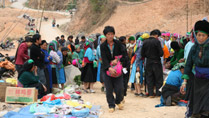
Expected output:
(133, 73)
(89, 54)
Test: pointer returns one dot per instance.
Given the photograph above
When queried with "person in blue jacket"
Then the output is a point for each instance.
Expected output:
(171, 89)
(48, 69)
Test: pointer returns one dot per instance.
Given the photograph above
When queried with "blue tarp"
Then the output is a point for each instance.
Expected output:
(25, 113)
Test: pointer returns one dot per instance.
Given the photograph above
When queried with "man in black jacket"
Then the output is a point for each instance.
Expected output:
(152, 51)
(109, 49)
(38, 56)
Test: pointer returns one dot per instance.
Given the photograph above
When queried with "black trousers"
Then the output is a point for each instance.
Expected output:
(154, 77)
(116, 85)
(47, 80)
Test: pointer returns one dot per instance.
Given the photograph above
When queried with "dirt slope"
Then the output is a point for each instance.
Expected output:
(166, 15)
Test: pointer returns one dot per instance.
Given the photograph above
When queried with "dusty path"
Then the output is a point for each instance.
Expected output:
(20, 5)
(49, 33)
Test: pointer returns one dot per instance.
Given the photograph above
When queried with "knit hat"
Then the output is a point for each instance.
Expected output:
(175, 35)
(131, 38)
(28, 65)
(168, 34)
(178, 66)
(102, 36)
(202, 26)
(77, 46)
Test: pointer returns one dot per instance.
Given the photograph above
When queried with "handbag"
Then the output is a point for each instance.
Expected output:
(118, 67)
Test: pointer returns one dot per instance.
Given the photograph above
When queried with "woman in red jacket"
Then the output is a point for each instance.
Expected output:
(22, 53)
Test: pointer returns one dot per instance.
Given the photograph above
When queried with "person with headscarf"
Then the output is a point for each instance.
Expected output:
(178, 55)
(100, 75)
(187, 49)
(171, 89)
(67, 56)
(28, 77)
(137, 65)
(167, 40)
(77, 57)
(78, 53)
(48, 69)
(130, 45)
(52, 50)
(60, 68)
(70, 44)
(198, 59)
(88, 76)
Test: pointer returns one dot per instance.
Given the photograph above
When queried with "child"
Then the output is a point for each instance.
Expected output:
(100, 75)
(61, 71)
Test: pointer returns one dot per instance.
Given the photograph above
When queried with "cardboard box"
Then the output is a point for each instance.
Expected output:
(21, 95)
(3, 87)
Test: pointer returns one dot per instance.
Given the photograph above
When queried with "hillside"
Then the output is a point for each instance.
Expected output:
(130, 16)
(51, 4)
(166, 15)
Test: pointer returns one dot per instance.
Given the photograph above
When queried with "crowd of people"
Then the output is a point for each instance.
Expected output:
(141, 60)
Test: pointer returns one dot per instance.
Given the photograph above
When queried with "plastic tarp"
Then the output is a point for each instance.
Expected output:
(25, 113)
(70, 73)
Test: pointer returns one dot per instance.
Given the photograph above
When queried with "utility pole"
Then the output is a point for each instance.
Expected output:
(3, 3)
(191, 15)
(205, 7)
(187, 15)
(43, 7)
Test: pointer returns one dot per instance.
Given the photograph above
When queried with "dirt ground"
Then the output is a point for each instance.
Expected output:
(135, 107)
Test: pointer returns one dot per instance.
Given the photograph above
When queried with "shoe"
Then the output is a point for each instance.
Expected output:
(136, 94)
(151, 96)
(168, 101)
(92, 91)
(141, 95)
(86, 91)
(102, 89)
(120, 106)
(123, 101)
(105, 90)
(111, 110)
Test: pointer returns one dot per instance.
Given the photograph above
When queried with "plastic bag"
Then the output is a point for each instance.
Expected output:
(117, 67)
(54, 102)
(73, 103)
(80, 113)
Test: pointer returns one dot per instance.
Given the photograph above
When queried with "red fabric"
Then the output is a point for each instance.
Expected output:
(22, 54)
(52, 97)
(86, 60)
(86, 47)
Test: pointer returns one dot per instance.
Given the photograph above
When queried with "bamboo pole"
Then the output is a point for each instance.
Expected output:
(42, 16)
